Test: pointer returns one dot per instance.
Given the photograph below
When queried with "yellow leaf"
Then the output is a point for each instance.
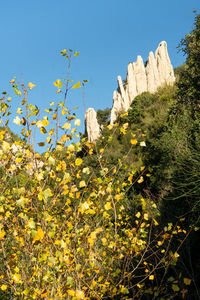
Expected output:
(187, 281)
(63, 138)
(48, 140)
(71, 148)
(39, 235)
(78, 161)
(175, 288)
(151, 277)
(138, 214)
(43, 295)
(146, 217)
(143, 144)
(4, 287)
(18, 159)
(130, 178)
(133, 141)
(31, 85)
(58, 83)
(16, 277)
(71, 293)
(51, 132)
(2, 234)
(67, 126)
(101, 150)
(155, 222)
(140, 180)
(82, 183)
(77, 122)
(43, 130)
(77, 85)
(108, 206)
(45, 122)
(80, 294)
(104, 241)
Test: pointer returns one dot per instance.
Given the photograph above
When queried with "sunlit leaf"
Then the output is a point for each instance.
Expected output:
(78, 161)
(58, 83)
(31, 85)
(77, 85)
(39, 235)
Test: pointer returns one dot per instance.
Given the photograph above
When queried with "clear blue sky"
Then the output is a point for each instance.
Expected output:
(108, 34)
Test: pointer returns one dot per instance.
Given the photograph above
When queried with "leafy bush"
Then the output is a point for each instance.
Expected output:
(68, 231)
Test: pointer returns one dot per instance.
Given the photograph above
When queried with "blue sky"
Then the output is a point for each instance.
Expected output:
(109, 34)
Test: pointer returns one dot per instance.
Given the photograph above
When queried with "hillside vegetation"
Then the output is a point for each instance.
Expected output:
(118, 219)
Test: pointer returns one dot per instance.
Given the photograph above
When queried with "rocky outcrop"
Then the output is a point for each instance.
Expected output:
(92, 127)
(157, 72)
(140, 78)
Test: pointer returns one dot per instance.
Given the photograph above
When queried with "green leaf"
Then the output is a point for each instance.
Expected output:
(77, 85)
(76, 53)
(70, 280)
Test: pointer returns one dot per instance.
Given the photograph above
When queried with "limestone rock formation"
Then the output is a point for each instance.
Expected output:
(157, 72)
(91, 125)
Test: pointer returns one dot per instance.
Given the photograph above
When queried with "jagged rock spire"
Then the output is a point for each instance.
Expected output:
(92, 127)
(157, 72)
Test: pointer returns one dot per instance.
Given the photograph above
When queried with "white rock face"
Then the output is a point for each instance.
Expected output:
(157, 72)
(153, 80)
(91, 125)
(165, 69)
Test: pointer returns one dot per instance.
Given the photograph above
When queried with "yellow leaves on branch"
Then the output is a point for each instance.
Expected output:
(108, 206)
(140, 180)
(78, 294)
(2, 233)
(93, 235)
(77, 122)
(133, 141)
(77, 85)
(58, 83)
(39, 235)
(66, 126)
(16, 277)
(31, 85)
(78, 161)
(4, 287)
(82, 183)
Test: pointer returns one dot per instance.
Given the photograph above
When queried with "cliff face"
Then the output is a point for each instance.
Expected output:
(157, 72)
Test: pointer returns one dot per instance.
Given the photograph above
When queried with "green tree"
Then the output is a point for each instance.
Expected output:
(189, 81)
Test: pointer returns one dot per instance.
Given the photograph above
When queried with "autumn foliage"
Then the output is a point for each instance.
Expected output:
(67, 232)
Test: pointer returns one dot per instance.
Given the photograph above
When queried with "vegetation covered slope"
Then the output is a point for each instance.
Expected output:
(118, 220)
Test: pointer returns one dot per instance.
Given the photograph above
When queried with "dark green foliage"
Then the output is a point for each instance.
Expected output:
(189, 81)
(103, 116)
